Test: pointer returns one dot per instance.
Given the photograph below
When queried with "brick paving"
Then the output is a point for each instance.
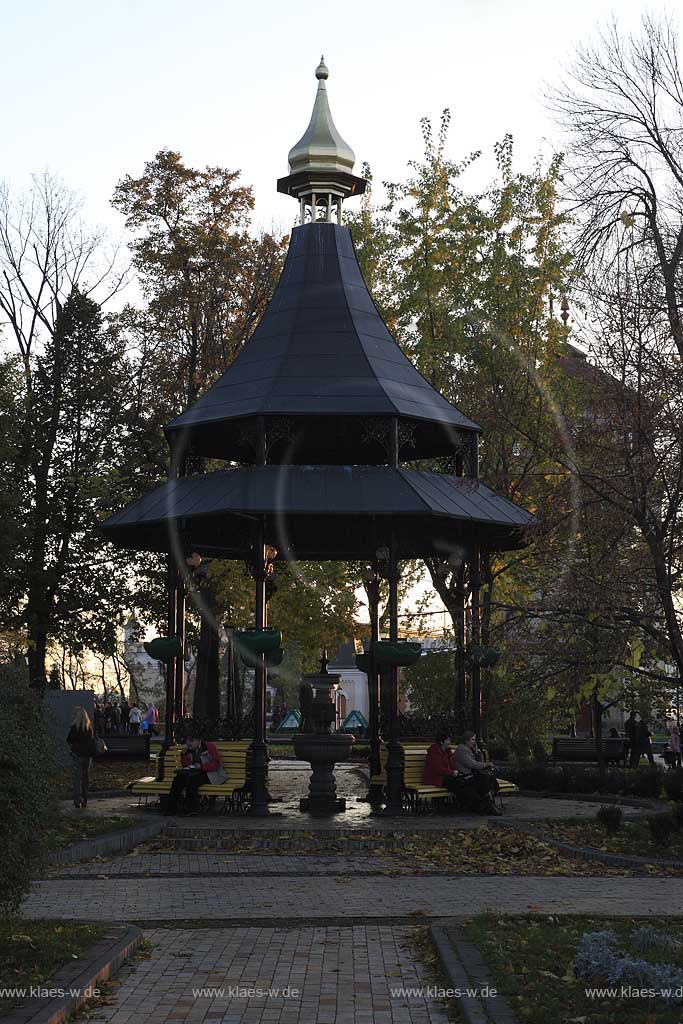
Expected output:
(341, 976)
(193, 864)
(336, 927)
(320, 897)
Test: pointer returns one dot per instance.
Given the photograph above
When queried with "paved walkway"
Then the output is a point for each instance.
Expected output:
(179, 865)
(322, 938)
(324, 897)
(252, 975)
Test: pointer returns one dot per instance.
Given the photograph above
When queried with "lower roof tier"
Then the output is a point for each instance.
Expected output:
(319, 513)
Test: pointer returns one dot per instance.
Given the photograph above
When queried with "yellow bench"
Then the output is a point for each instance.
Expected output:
(415, 792)
(233, 755)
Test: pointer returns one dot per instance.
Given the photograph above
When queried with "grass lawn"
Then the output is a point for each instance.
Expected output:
(72, 829)
(531, 960)
(633, 838)
(31, 952)
(108, 775)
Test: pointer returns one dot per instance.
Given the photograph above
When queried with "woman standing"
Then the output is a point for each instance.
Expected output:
(81, 739)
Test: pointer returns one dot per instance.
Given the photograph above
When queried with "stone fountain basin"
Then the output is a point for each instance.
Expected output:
(321, 749)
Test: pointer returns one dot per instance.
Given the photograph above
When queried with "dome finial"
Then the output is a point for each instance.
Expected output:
(321, 163)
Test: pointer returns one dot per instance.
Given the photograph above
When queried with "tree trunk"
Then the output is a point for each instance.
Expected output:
(207, 691)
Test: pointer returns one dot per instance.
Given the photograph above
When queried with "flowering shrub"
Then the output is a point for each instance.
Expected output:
(598, 955)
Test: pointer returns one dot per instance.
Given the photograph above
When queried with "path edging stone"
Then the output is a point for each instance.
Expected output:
(107, 844)
(617, 860)
(465, 969)
(107, 957)
(647, 803)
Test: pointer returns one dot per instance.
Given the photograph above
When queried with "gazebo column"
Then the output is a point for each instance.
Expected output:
(475, 671)
(169, 718)
(394, 755)
(179, 661)
(460, 685)
(259, 768)
(375, 791)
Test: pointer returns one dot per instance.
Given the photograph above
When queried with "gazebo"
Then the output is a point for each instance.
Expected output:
(316, 420)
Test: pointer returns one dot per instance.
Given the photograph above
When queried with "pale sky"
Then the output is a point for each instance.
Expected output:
(93, 90)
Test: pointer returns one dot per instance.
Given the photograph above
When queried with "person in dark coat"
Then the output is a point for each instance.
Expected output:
(81, 740)
(644, 739)
(631, 734)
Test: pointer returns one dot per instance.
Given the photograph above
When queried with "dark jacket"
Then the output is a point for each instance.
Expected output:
(82, 742)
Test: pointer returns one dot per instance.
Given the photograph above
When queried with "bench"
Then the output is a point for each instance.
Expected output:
(574, 748)
(234, 756)
(416, 794)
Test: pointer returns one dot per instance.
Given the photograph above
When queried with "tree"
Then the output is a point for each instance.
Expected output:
(205, 279)
(474, 280)
(66, 406)
(622, 110)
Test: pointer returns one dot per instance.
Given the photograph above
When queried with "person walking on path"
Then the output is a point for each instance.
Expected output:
(134, 718)
(81, 740)
(631, 732)
(152, 717)
(675, 746)
(644, 737)
(125, 711)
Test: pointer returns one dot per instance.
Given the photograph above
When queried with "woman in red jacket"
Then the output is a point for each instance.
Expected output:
(201, 764)
(439, 769)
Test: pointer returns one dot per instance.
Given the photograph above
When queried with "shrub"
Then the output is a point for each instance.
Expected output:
(645, 782)
(498, 751)
(531, 776)
(615, 781)
(539, 753)
(598, 955)
(583, 781)
(677, 815)
(661, 826)
(673, 784)
(28, 791)
(610, 817)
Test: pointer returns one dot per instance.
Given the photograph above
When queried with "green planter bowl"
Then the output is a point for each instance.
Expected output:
(273, 658)
(396, 652)
(163, 648)
(258, 641)
(363, 663)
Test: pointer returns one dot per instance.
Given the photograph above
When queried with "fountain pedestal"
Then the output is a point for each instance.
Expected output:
(321, 748)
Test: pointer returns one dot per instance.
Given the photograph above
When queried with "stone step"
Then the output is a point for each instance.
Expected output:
(220, 841)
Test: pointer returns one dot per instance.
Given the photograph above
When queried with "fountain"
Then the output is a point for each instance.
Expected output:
(321, 748)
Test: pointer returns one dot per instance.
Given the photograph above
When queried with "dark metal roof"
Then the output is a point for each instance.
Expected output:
(320, 512)
(321, 353)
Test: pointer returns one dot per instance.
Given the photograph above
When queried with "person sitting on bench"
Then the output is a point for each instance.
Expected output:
(201, 764)
(439, 769)
(480, 773)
